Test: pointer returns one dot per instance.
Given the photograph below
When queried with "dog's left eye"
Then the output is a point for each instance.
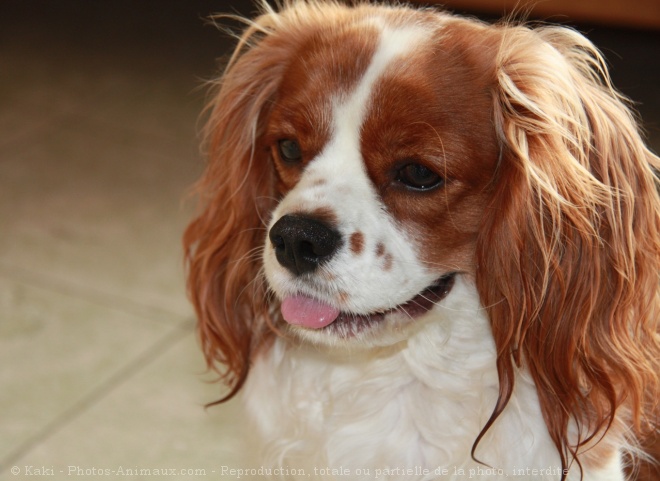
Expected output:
(418, 177)
(289, 150)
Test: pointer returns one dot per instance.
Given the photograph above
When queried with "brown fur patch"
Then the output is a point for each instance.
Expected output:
(324, 214)
(357, 242)
(319, 74)
(427, 109)
(388, 262)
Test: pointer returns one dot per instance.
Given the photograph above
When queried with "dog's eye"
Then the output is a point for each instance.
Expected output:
(418, 177)
(289, 150)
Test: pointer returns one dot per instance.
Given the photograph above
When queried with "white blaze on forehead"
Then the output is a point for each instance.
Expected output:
(349, 111)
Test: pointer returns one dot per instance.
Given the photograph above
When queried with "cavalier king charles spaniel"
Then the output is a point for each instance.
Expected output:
(428, 248)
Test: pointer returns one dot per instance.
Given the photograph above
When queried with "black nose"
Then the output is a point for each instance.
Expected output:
(302, 243)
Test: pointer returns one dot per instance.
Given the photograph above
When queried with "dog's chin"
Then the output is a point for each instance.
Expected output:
(379, 328)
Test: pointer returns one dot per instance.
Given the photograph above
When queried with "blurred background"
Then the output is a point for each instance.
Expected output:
(100, 107)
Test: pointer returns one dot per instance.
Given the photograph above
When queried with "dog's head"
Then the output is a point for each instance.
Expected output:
(362, 158)
(383, 167)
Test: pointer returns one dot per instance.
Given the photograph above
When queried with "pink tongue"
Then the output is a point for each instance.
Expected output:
(308, 312)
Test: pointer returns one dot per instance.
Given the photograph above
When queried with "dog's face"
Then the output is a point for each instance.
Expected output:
(382, 140)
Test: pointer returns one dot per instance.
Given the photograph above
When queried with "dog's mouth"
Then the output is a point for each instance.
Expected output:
(306, 312)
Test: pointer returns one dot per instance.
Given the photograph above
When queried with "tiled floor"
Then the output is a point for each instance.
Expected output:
(98, 117)
(100, 366)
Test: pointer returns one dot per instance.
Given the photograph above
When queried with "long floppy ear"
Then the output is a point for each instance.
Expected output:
(569, 254)
(223, 244)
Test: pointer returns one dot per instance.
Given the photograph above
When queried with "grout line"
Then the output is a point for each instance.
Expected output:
(87, 401)
(87, 293)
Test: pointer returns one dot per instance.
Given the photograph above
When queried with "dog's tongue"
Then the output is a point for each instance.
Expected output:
(305, 311)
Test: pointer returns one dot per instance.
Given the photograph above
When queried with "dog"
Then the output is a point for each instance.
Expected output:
(428, 248)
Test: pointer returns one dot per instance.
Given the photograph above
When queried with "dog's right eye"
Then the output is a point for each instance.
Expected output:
(289, 151)
(418, 177)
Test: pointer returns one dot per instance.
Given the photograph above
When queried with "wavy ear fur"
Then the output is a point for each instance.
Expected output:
(569, 256)
(223, 244)
(238, 191)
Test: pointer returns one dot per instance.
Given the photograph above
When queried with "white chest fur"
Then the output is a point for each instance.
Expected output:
(408, 412)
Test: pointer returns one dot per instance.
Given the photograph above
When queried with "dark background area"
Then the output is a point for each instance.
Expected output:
(175, 38)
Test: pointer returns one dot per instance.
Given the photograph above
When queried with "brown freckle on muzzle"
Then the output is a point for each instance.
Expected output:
(357, 242)
(327, 276)
(389, 260)
(319, 182)
(323, 214)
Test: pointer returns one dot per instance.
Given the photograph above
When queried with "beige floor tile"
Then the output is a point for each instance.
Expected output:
(155, 420)
(57, 353)
(96, 207)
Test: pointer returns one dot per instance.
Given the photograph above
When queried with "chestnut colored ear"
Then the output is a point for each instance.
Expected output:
(648, 469)
(223, 244)
(569, 254)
